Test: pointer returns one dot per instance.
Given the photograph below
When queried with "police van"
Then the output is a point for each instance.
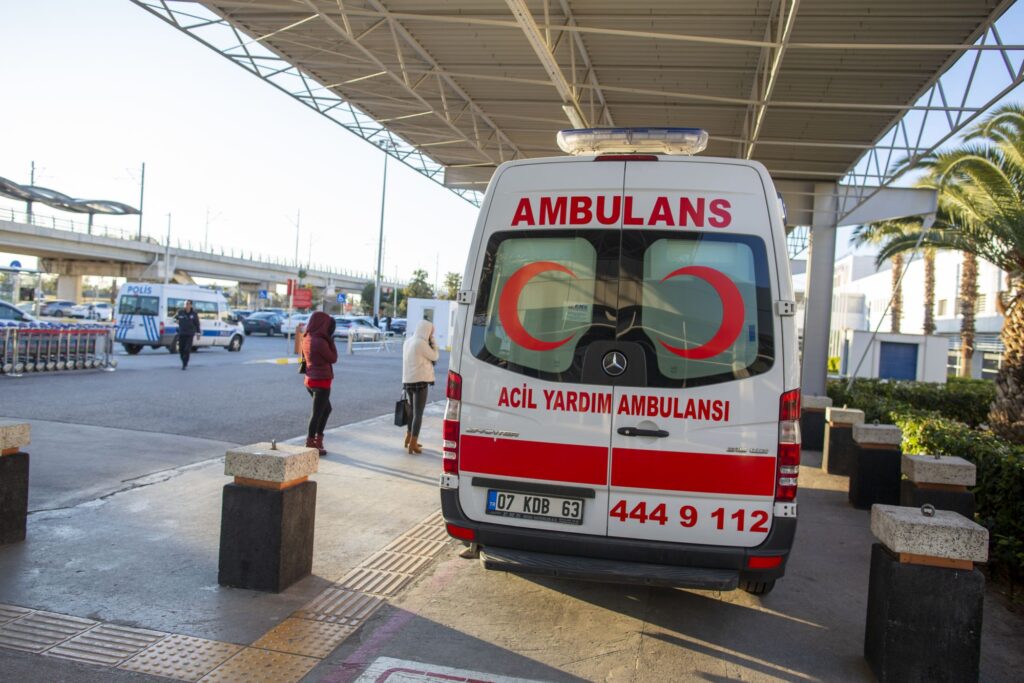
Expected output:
(623, 396)
(145, 317)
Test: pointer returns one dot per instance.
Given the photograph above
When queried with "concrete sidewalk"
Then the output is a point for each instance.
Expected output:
(389, 593)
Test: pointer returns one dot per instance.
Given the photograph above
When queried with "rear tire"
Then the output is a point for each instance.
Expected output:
(172, 347)
(758, 587)
(132, 349)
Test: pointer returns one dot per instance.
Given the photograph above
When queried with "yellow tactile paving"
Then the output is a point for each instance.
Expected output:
(304, 637)
(261, 666)
(107, 644)
(12, 612)
(397, 562)
(182, 657)
(415, 546)
(374, 581)
(39, 631)
(337, 606)
(434, 518)
(430, 532)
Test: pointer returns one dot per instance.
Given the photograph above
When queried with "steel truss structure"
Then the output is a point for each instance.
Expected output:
(782, 86)
(251, 54)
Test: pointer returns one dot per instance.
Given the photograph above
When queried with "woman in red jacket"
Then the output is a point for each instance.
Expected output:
(320, 354)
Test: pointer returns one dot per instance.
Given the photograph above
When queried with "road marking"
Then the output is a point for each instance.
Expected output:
(391, 670)
(293, 360)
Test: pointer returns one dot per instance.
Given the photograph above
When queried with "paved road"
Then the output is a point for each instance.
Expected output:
(223, 396)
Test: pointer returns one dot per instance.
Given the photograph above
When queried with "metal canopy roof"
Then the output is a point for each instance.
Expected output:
(804, 86)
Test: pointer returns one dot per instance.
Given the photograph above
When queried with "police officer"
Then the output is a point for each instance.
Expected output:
(188, 329)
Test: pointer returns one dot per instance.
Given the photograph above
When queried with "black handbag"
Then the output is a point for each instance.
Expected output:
(402, 410)
(302, 365)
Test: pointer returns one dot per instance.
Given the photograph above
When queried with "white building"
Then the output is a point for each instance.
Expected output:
(861, 296)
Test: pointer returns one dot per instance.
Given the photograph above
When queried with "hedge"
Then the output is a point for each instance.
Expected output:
(949, 419)
(963, 400)
(999, 493)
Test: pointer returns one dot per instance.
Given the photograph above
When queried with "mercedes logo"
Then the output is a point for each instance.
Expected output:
(614, 363)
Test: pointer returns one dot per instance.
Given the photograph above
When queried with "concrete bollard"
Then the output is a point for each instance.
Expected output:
(925, 597)
(875, 469)
(838, 450)
(268, 515)
(812, 421)
(939, 481)
(13, 480)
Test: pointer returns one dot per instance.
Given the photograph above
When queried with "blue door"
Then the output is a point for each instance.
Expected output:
(897, 361)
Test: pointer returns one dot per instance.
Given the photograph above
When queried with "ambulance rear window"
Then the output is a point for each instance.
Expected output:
(138, 305)
(541, 300)
(700, 302)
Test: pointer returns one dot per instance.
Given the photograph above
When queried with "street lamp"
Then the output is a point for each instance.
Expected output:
(385, 145)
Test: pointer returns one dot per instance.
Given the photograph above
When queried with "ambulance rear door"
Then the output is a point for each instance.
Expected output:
(696, 401)
(534, 445)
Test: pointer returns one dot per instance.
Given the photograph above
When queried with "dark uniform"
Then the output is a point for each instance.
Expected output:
(188, 328)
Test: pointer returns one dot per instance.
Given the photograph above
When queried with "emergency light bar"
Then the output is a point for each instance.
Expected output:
(579, 141)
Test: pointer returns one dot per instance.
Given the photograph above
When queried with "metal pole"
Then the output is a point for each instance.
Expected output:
(167, 252)
(32, 183)
(380, 237)
(142, 195)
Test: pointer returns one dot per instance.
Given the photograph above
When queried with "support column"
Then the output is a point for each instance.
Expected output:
(69, 287)
(818, 295)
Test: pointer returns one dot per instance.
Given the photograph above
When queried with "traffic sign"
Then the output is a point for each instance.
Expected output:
(16, 264)
(303, 297)
(341, 297)
(262, 294)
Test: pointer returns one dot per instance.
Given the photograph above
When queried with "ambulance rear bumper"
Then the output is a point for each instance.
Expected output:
(555, 553)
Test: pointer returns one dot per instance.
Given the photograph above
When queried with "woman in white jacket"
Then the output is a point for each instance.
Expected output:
(418, 357)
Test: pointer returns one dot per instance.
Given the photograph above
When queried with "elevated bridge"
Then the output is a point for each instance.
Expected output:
(72, 250)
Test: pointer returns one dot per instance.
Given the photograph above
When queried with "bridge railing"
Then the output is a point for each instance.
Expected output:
(101, 230)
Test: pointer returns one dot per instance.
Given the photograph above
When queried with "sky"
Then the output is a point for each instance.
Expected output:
(91, 90)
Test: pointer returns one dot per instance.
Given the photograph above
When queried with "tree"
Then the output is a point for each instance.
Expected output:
(929, 292)
(367, 298)
(452, 283)
(418, 287)
(883, 232)
(981, 213)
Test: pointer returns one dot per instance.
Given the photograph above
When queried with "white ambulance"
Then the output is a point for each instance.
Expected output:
(145, 317)
(623, 399)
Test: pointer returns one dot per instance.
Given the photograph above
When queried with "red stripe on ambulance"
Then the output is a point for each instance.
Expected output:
(534, 459)
(748, 475)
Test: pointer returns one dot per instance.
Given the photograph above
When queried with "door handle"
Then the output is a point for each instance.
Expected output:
(634, 431)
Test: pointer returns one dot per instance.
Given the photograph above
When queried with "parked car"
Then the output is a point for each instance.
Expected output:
(58, 307)
(293, 321)
(263, 322)
(238, 316)
(398, 325)
(359, 330)
(95, 311)
(12, 312)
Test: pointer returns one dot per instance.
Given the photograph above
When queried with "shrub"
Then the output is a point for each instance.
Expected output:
(963, 400)
(999, 493)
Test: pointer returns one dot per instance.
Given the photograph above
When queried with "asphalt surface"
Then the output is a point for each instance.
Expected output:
(233, 397)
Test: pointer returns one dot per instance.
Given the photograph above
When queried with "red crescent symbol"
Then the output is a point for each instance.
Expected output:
(732, 313)
(508, 306)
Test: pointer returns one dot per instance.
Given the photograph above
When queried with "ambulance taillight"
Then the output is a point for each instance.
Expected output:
(452, 416)
(789, 446)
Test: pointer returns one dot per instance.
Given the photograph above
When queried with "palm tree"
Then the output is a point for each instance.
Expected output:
(981, 213)
(883, 232)
(929, 292)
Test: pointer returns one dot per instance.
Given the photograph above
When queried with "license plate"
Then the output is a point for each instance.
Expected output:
(533, 506)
